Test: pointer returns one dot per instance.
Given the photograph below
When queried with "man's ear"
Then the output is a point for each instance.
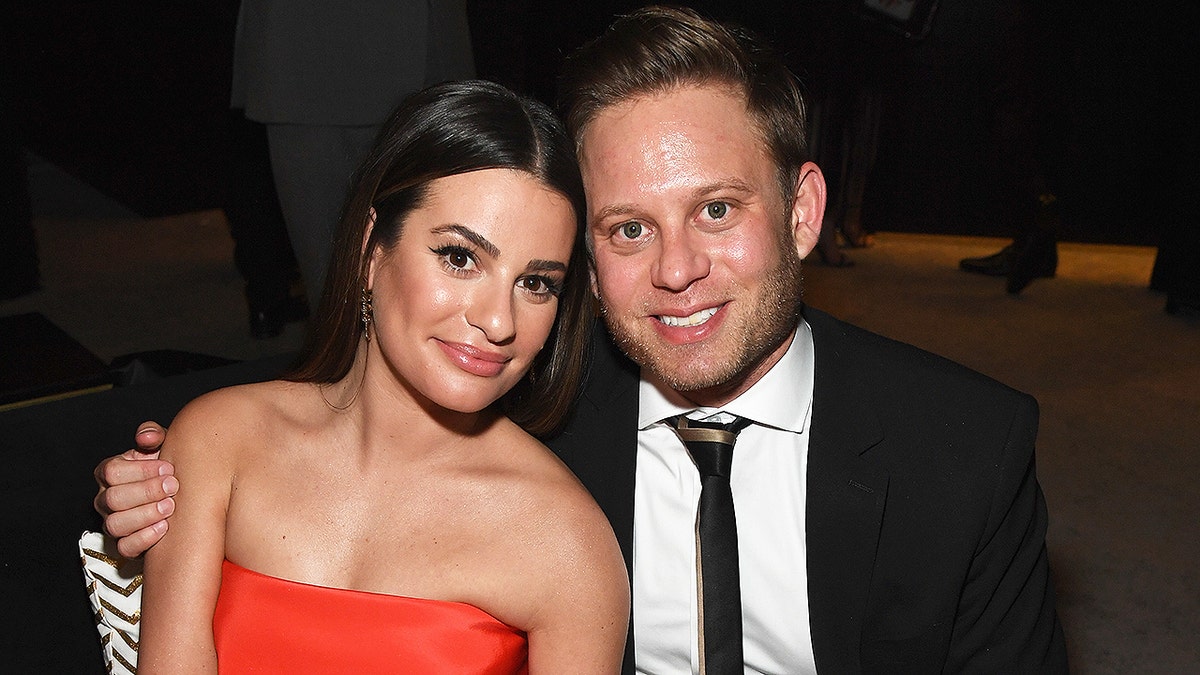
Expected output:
(374, 255)
(808, 208)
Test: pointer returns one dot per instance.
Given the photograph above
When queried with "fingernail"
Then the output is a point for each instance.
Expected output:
(144, 431)
(160, 527)
(166, 507)
(170, 485)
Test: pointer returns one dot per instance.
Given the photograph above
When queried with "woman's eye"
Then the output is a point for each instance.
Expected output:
(455, 258)
(716, 210)
(540, 286)
(631, 230)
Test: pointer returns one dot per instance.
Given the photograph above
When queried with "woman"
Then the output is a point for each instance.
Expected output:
(384, 507)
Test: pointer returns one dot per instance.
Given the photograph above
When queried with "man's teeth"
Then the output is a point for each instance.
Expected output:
(693, 320)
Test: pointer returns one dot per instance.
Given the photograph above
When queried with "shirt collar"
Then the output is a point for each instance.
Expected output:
(781, 399)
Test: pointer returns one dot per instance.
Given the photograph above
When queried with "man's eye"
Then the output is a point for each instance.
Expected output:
(717, 210)
(631, 230)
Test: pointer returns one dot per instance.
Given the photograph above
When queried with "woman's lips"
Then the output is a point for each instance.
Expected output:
(474, 360)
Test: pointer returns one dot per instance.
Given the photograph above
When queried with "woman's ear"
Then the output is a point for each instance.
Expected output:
(808, 208)
(374, 255)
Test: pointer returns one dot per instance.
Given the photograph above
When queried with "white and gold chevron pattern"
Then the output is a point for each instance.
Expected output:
(114, 586)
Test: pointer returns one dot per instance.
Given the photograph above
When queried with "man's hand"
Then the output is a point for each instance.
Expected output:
(135, 493)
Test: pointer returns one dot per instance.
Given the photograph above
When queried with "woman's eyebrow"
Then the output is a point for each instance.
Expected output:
(539, 265)
(471, 236)
(535, 265)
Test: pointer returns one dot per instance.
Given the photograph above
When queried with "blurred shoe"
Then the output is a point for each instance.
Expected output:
(851, 230)
(1037, 254)
(1038, 260)
(998, 264)
(835, 259)
(1178, 305)
(267, 320)
(265, 325)
(857, 239)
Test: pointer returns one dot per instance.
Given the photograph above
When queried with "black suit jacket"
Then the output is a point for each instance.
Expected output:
(925, 523)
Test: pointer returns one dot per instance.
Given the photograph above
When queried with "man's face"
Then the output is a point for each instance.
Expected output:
(697, 249)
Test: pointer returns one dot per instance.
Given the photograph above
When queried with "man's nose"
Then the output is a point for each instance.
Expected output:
(682, 260)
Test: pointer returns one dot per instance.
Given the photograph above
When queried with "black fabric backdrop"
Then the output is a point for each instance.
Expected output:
(47, 494)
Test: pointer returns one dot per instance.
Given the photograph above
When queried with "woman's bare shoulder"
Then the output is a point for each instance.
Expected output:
(572, 572)
(569, 525)
(542, 473)
(231, 417)
(251, 401)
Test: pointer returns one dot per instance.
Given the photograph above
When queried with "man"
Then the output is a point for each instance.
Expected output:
(888, 515)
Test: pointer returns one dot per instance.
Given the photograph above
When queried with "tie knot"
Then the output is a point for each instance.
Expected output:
(710, 443)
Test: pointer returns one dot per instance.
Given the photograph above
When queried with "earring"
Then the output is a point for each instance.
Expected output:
(366, 312)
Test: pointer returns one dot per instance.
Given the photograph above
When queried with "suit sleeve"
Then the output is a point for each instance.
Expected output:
(1006, 621)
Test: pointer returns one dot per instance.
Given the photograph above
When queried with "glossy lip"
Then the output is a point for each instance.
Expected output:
(682, 335)
(474, 360)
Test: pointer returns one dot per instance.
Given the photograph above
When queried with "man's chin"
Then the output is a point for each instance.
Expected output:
(693, 367)
(684, 368)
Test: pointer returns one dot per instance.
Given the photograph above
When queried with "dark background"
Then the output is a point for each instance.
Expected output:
(130, 97)
(45, 503)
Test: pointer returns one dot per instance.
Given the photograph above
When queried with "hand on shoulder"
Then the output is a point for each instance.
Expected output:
(135, 492)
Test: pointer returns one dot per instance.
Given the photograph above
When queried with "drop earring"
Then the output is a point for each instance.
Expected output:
(367, 312)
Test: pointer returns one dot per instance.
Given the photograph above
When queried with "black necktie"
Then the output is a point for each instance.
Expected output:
(711, 447)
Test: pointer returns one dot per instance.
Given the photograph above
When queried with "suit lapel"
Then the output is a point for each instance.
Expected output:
(600, 440)
(846, 494)
(600, 445)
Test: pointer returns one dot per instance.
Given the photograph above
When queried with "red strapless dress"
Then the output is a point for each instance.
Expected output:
(264, 624)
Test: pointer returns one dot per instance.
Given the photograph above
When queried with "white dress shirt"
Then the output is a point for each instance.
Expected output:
(768, 481)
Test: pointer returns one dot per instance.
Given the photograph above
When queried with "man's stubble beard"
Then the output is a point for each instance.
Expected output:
(761, 332)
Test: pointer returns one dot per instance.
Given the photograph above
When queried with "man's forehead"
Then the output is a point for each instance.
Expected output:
(688, 135)
(674, 103)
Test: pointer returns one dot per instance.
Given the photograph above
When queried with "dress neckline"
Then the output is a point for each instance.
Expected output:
(376, 594)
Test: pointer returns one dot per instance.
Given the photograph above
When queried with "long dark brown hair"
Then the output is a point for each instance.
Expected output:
(445, 130)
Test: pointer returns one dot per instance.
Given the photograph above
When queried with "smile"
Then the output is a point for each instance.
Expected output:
(697, 319)
(473, 360)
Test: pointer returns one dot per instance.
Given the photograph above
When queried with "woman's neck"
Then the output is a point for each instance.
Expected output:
(382, 409)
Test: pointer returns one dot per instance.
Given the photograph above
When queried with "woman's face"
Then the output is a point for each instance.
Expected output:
(467, 296)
